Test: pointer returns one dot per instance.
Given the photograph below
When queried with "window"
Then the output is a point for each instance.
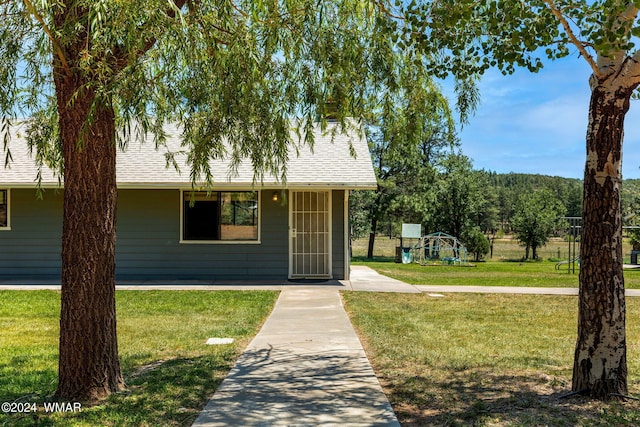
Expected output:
(220, 216)
(4, 209)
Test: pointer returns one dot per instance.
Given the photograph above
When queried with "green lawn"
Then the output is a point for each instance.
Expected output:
(169, 370)
(491, 273)
(481, 274)
(481, 360)
(484, 360)
(504, 269)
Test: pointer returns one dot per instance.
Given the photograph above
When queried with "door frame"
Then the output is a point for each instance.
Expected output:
(292, 235)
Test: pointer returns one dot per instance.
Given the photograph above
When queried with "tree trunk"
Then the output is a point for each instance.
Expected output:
(600, 363)
(89, 367)
(376, 210)
(372, 238)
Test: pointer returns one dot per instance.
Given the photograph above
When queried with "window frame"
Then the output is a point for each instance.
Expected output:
(184, 196)
(8, 203)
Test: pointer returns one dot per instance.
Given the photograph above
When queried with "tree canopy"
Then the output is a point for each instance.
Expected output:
(235, 70)
(240, 71)
(85, 76)
(408, 134)
(536, 216)
(469, 37)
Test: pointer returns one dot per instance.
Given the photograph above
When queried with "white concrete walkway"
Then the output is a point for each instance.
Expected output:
(306, 367)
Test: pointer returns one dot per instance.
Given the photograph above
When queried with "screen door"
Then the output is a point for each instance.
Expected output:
(310, 234)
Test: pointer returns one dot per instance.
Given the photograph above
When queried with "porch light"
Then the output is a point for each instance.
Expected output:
(276, 196)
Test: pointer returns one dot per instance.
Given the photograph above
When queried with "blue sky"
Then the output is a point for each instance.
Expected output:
(536, 123)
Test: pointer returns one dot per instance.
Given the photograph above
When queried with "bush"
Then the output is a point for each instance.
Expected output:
(476, 243)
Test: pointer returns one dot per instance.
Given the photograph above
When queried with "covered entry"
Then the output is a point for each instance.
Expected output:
(310, 231)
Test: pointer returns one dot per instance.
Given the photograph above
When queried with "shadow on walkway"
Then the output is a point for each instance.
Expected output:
(305, 367)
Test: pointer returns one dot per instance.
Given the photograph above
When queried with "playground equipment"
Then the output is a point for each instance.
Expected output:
(574, 231)
(440, 247)
(570, 262)
(406, 252)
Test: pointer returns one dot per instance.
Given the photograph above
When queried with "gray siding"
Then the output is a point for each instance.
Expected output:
(337, 237)
(31, 249)
(148, 241)
(148, 244)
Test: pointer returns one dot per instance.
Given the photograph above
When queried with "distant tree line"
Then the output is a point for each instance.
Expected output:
(443, 192)
(508, 187)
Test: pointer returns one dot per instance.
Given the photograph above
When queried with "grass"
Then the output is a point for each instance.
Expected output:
(504, 249)
(169, 371)
(484, 360)
(481, 360)
(536, 274)
(500, 271)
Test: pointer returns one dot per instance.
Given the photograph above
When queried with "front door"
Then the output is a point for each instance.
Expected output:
(310, 231)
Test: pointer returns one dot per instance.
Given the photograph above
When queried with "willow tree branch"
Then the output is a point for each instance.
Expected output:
(56, 47)
(384, 9)
(121, 56)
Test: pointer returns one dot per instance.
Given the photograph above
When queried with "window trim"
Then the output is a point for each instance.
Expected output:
(8, 226)
(221, 242)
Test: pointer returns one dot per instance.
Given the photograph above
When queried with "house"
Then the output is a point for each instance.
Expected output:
(242, 230)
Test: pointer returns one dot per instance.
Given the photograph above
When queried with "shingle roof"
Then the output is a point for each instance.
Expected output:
(329, 165)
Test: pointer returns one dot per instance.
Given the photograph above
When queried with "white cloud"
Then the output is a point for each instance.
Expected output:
(536, 123)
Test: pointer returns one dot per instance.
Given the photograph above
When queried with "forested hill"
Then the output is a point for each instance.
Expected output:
(525, 180)
(631, 185)
(509, 186)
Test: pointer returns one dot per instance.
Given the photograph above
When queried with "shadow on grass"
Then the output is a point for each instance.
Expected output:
(165, 393)
(483, 398)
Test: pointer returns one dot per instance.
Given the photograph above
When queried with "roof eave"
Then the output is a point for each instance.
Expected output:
(221, 185)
